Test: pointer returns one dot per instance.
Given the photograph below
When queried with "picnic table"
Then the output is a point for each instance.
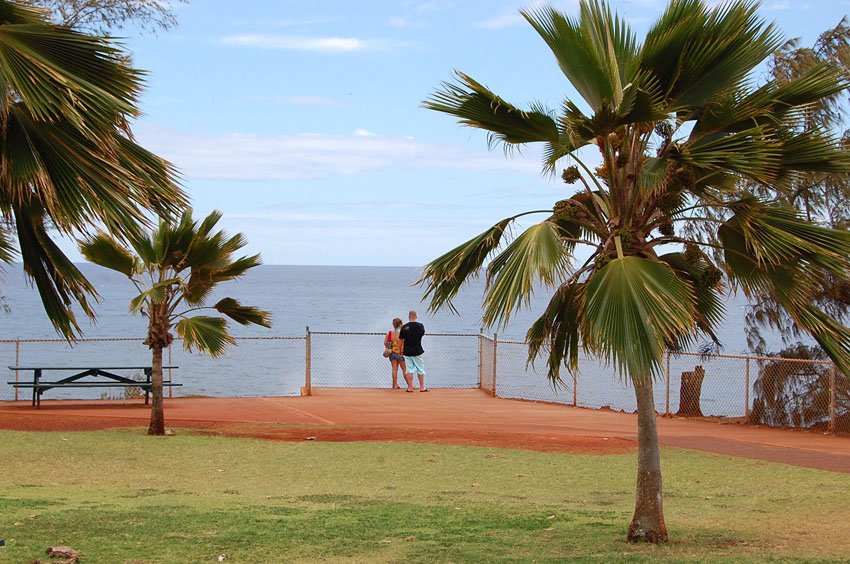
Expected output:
(40, 386)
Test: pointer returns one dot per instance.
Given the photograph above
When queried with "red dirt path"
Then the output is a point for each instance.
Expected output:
(467, 417)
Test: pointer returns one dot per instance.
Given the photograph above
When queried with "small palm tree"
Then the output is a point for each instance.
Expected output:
(67, 159)
(678, 125)
(177, 266)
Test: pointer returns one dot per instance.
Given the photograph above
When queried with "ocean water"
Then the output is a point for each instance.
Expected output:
(338, 304)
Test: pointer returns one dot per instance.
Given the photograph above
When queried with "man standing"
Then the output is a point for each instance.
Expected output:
(411, 336)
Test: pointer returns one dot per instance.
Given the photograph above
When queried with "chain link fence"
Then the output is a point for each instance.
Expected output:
(256, 366)
(778, 392)
(354, 360)
(762, 390)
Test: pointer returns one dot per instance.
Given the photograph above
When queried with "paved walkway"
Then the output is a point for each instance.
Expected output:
(450, 416)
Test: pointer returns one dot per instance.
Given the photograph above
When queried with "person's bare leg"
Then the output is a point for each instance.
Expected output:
(409, 379)
(422, 387)
(395, 374)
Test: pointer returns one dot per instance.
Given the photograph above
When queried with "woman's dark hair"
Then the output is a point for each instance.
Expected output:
(397, 322)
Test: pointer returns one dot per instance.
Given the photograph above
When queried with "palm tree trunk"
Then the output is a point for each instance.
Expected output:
(648, 521)
(157, 425)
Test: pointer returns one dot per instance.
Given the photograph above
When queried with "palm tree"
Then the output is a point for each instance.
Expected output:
(678, 123)
(67, 160)
(177, 266)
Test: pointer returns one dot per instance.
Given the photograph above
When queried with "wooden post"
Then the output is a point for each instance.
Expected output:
(307, 390)
(690, 392)
(17, 363)
(667, 386)
(495, 346)
(832, 398)
(747, 390)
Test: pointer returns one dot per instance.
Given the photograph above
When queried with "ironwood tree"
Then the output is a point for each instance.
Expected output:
(822, 196)
(104, 16)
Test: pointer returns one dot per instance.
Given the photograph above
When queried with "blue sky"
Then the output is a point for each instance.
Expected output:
(301, 121)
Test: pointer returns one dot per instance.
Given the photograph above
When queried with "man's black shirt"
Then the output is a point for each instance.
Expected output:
(412, 334)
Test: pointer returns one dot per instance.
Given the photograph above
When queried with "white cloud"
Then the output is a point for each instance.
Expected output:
(781, 5)
(432, 6)
(514, 18)
(241, 156)
(301, 43)
(501, 22)
(363, 133)
(399, 22)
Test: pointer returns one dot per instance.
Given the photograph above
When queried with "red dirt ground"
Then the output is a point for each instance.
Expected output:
(466, 417)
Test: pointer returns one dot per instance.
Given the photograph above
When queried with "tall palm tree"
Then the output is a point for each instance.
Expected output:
(175, 268)
(677, 122)
(67, 159)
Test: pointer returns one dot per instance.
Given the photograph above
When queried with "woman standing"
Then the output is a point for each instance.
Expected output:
(393, 343)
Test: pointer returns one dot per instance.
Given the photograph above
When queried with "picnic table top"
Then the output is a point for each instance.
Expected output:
(85, 367)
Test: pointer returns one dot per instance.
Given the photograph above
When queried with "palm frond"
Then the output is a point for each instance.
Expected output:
(67, 171)
(596, 53)
(697, 53)
(156, 182)
(243, 314)
(536, 257)
(205, 334)
(704, 277)
(751, 152)
(814, 151)
(108, 253)
(60, 284)
(445, 276)
(476, 106)
(770, 104)
(653, 175)
(633, 308)
(557, 331)
(831, 335)
(156, 294)
(60, 73)
(7, 246)
(777, 235)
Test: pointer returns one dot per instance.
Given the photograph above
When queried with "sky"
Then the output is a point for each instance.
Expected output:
(303, 121)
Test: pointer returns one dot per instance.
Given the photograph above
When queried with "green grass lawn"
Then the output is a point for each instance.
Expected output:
(121, 497)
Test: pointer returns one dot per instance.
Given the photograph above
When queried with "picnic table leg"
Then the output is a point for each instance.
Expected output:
(36, 394)
(148, 382)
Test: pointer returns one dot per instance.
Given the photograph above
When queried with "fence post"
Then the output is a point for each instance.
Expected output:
(170, 375)
(480, 357)
(747, 390)
(307, 390)
(495, 346)
(667, 386)
(17, 363)
(832, 398)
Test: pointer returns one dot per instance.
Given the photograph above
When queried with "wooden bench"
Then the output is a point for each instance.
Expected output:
(40, 386)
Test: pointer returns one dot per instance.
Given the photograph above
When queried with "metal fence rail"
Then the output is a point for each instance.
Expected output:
(763, 390)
